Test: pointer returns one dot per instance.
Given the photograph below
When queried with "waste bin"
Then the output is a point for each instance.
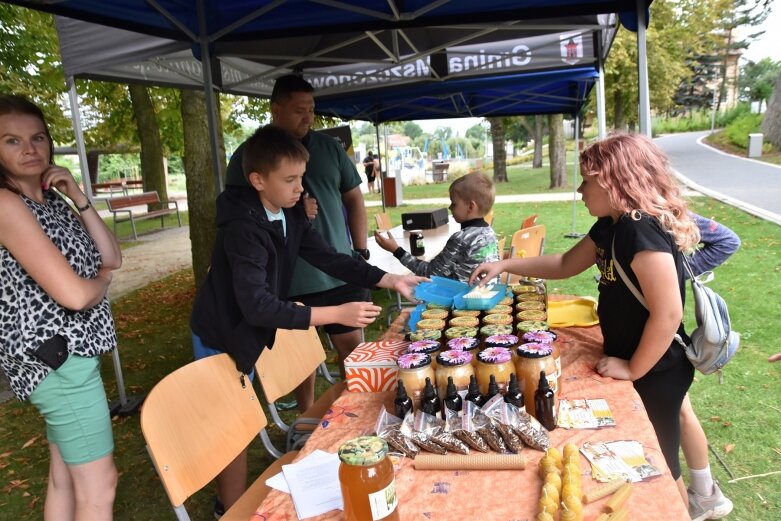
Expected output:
(754, 145)
(391, 188)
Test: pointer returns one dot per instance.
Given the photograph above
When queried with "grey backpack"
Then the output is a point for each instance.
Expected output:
(713, 342)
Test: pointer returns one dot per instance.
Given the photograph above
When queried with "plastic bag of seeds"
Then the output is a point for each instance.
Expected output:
(423, 429)
(532, 432)
(388, 427)
(464, 428)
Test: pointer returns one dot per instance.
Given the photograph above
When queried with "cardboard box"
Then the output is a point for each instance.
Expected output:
(424, 219)
(371, 367)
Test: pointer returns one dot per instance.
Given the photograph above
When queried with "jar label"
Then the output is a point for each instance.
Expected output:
(383, 502)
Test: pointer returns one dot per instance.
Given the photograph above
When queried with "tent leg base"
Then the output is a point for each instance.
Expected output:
(129, 408)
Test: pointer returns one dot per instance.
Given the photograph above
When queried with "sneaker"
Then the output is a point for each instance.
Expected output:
(219, 508)
(714, 506)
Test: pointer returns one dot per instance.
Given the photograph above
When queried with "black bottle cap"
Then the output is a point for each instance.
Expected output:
(429, 391)
(512, 386)
(493, 387)
(451, 388)
(401, 392)
(473, 388)
(543, 381)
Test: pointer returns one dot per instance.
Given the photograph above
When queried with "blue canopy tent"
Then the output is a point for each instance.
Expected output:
(280, 36)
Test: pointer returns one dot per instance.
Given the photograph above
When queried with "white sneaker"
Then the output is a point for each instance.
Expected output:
(714, 506)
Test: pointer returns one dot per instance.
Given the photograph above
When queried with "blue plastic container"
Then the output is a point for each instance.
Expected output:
(450, 293)
(460, 302)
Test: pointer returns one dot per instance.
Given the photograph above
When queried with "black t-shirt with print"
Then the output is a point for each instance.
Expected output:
(621, 316)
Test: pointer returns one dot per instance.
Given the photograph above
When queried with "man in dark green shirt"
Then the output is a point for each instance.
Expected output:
(335, 199)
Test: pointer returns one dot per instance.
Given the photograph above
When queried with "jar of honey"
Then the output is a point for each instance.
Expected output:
(532, 358)
(546, 337)
(367, 480)
(495, 361)
(414, 368)
(457, 364)
(465, 343)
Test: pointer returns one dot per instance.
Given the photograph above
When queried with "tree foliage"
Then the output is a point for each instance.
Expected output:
(757, 79)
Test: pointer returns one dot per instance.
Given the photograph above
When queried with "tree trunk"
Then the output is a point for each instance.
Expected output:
(539, 127)
(500, 152)
(152, 171)
(771, 124)
(557, 151)
(199, 179)
(618, 110)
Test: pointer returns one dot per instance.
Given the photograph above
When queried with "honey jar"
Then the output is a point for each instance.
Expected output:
(367, 480)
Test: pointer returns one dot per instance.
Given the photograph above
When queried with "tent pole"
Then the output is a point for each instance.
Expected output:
(382, 181)
(601, 123)
(211, 110)
(573, 234)
(642, 71)
(86, 181)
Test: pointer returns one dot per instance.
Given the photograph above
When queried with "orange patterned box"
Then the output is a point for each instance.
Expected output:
(371, 367)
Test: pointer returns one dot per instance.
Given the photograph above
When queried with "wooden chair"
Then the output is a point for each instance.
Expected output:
(296, 354)
(529, 221)
(500, 246)
(383, 221)
(489, 217)
(526, 242)
(195, 422)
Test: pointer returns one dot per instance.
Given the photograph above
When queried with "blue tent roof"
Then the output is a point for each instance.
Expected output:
(227, 20)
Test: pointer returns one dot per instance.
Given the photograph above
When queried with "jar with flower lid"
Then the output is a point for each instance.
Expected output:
(429, 347)
(465, 343)
(546, 337)
(414, 368)
(495, 361)
(457, 364)
(533, 357)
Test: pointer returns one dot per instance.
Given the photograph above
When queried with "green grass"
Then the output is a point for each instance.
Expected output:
(742, 418)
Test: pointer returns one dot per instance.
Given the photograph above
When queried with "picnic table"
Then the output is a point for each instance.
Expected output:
(506, 494)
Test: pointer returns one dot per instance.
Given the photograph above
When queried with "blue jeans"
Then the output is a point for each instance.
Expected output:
(202, 351)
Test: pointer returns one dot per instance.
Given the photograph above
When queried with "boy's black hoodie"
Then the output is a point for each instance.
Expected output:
(240, 305)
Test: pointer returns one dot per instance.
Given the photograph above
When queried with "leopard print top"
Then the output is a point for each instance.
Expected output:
(28, 315)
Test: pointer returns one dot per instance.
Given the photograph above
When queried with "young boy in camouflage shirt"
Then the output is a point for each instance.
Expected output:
(471, 198)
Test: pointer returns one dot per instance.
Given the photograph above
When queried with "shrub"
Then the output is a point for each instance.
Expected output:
(741, 127)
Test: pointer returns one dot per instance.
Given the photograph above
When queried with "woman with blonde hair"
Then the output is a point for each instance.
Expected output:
(643, 224)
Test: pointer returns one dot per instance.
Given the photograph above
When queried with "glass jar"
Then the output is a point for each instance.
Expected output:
(414, 368)
(532, 358)
(546, 337)
(496, 329)
(367, 480)
(457, 364)
(429, 347)
(468, 344)
(495, 361)
(425, 334)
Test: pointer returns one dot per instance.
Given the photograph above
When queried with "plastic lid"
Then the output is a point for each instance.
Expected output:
(413, 360)
(440, 290)
(453, 358)
(532, 325)
(423, 346)
(363, 451)
(495, 355)
(463, 343)
(433, 334)
(534, 350)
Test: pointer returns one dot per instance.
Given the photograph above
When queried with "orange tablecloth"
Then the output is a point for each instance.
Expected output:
(505, 495)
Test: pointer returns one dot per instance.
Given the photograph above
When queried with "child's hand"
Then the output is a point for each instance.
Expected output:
(387, 243)
(404, 284)
(310, 206)
(614, 368)
(774, 358)
(357, 314)
(486, 271)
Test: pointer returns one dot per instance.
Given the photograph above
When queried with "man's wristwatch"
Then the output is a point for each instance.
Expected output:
(363, 253)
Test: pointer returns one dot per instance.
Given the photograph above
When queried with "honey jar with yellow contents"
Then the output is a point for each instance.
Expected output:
(414, 368)
(495, 361)
(367, 480)
(532, 358)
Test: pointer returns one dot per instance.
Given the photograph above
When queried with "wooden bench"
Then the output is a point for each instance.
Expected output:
(110, 187)
(124, 205)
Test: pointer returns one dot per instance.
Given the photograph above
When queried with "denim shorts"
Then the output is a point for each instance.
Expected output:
(73, 403)
(202, 351)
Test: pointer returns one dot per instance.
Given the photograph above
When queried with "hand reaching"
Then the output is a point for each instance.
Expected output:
(774, 358)
(357, 314)
(387, 243)
(614, 368)
(404, 284)
(486, 271)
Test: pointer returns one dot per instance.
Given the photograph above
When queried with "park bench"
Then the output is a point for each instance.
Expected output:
(110, 187)
(124, 206)
(439, 171)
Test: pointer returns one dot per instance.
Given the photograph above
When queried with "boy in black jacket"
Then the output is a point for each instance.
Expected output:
(261, 231)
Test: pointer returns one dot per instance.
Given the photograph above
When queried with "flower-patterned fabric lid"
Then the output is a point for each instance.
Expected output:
(363, 451)
(543, 337)
(453, 358)
(501, 340)
(494, 355)
(463, 343)
(423, 346)
(534, 350)
(414, 360)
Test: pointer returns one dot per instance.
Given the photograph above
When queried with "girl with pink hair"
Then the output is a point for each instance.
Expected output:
(643, 223)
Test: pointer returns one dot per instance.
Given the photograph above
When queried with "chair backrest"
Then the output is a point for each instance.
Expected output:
(196, 421)
(527, 242)
(500, 246)
(489, 217)
(529, 221)
(383, 221)
(296, 354)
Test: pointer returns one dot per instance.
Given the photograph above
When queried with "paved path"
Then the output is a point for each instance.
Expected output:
(751, 185)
